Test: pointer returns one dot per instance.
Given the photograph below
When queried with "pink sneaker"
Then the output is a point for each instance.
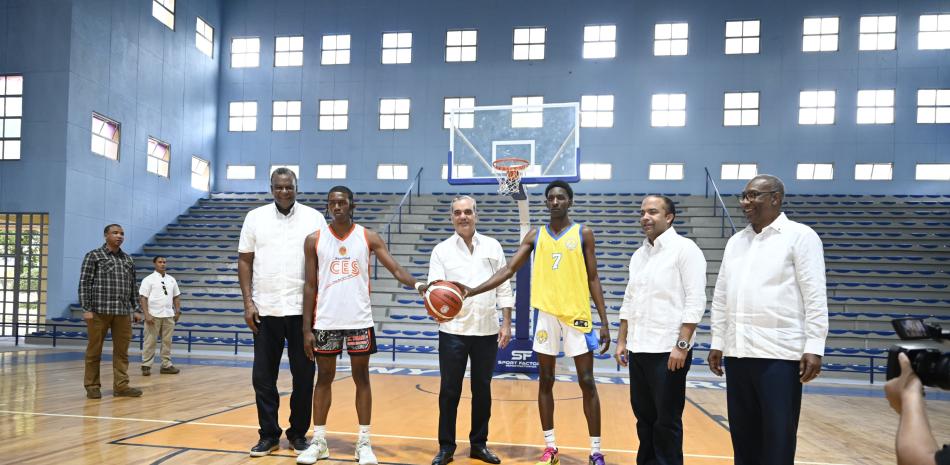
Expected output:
(549, 457)
(596, 459)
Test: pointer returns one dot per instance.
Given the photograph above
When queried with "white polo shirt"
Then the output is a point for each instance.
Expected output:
(452, 261)
(277, 243)
(160, 292)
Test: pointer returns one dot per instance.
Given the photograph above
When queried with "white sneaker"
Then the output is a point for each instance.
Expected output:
(364, 453)
(317, 451)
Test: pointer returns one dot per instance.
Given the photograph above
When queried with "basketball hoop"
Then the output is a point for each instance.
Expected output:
(508, 171)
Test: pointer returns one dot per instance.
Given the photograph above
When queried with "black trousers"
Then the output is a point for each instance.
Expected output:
(454, 352)
(658, 396)
(764, 401)
(268, 348)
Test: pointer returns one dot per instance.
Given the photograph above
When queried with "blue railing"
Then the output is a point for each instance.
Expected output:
(717, 199)
(397, 215)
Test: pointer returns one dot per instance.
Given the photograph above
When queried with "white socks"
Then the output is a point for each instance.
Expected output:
(549, 439)
(319, 432)
(364, 433)
(594, 445)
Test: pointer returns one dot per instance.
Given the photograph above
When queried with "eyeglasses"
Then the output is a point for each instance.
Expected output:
(752, 195)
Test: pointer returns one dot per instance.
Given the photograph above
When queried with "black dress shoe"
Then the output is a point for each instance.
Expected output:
(264, 447)
(443, 457)
(484, 454)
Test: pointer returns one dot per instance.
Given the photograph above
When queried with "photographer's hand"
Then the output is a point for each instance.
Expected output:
(907, 386)
(915, 441)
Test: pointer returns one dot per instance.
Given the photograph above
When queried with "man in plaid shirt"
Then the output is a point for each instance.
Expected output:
(107, 293)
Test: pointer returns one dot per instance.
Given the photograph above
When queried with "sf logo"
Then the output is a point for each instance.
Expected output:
(520, 355)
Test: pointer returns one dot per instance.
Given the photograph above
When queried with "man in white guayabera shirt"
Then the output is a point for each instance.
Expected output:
(664, 300)
(769, 322)
(271, 273)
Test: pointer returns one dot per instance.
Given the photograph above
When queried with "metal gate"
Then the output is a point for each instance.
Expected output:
(24, 243)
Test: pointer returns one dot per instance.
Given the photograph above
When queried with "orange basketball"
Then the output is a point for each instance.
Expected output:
(443, 300)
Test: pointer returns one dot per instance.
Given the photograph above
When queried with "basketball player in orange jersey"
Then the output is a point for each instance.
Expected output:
(337, 313)
(563, 281)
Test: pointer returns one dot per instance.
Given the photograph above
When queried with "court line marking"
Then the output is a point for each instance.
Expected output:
(344, 433)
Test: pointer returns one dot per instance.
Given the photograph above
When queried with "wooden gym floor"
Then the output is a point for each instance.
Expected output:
(206, 414)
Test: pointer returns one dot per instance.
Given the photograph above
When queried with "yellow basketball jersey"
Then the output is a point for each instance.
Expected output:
(559, 277)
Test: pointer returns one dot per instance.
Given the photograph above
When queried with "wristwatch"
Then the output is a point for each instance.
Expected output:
(684, 345)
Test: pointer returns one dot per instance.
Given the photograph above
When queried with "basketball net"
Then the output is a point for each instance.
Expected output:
(508, 171)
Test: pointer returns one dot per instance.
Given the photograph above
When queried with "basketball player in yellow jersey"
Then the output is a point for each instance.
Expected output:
(563, 280)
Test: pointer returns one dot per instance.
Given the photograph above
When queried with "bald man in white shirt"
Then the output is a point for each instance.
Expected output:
(769, 322)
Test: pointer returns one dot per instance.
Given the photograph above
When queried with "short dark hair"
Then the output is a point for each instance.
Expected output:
(562, 185)
(110, 226)
(283, 171)
(342, 189)
(667, 203)
(155, 258)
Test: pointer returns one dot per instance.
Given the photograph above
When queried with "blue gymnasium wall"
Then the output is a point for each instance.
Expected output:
(779, 73)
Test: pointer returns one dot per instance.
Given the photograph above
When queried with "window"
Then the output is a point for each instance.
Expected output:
(461, 45)
(331, 171)
(878, 33)
(204, 37)
(816, 107)
(200, 174)
(933, 106)
(294, 168)
(288, 51)
(933, 172)
(286, 115)
(11, 116)
(164, 12)
(741, 109)
(393, 114)
(397, 48)
(597, 111)
(529, 43)
(528, 112)
(242, 116)
(934, 32)
(391, 172)
(669, 39)
(24, 268)
(334, 115)
(335, 50)
(742, 37)
(815, 171)
(600, 41)
(461, 171)
(246, 53)
(876, 106)
(820, 35)
(873, 171)
(241, 171)
(668, 110)
(666, 171)
(466, 118)
(736, 171)
(159, 154)
(105, 137)
(596, 171)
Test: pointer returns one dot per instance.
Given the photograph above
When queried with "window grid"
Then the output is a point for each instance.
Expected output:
(820, 34)
(387, 171)
(164, 12)
(286, 115)
(241, 172)
(397, 48)
(738, 171)
(461, 171)
(878, 33)
(105, 137)
(933, 106)
(932, 172)
(335, 50)
(934, 32)
(466, 118)
(600, 41)
(666, 171)
(334, 115)
(740, 109)
(876, 106)
(288, 51)
(242, 117)
(816, 107)
(742, 37)
(200, 173)
(815, 171)
(529, 43)
(873, 171)
(159, 156)
(528, 112)
(461, 45)
(670, 39)
(597, 111)
(668, 110)
(24, 266)
(204, 37)
(246, 52)
(11, 116)
(596, 171)
(393, 114)
(329, 171)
